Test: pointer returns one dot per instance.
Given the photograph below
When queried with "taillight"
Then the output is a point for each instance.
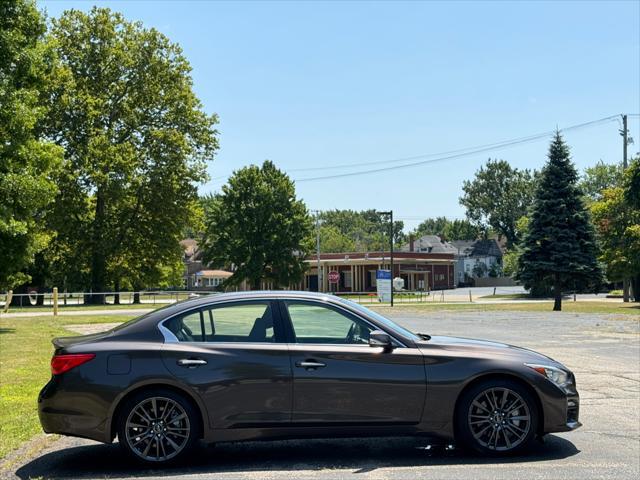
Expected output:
(64, 363)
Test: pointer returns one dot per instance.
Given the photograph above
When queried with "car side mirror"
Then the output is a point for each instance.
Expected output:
(378, 338)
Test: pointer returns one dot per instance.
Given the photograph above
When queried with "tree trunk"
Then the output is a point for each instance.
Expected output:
(136, 294)
(116, 295)
(625, 290)
(98, 260)
(40, 296)
(19, 301)
(557, 294)
(635, 287)
(255, 284)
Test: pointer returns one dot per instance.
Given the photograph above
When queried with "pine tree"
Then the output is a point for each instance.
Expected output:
(559, 248)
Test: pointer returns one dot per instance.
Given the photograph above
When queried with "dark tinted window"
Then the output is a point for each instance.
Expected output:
(323, 325)
(232, 322)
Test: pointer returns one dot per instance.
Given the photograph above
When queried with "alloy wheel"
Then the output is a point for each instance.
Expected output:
(157, 429)
(499, 419)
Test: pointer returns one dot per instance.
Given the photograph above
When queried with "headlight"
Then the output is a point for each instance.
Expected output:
(555, 374)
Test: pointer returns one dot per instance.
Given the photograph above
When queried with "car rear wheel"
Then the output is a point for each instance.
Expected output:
(158, 426)
(497, 417)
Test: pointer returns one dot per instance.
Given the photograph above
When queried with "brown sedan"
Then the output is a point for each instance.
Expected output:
(259, 365)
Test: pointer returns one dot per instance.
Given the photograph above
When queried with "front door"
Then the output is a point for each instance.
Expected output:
(339, 379)
(234, 356)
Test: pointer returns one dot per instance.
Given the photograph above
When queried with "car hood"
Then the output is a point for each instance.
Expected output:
(487, 348)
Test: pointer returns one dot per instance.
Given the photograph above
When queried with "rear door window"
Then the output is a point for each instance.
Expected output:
(247, 322)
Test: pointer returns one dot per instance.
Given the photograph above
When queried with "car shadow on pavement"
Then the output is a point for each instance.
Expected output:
(356, 455)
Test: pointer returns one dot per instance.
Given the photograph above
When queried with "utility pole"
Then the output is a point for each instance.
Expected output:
(625, 140)
(318, 249)
(390, 213)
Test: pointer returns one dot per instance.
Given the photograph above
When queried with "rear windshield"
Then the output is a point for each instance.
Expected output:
(141, 317)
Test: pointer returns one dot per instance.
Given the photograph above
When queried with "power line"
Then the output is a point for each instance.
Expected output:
(466, 152)
(440, 157)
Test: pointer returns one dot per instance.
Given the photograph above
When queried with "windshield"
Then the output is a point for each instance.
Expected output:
(383, 320)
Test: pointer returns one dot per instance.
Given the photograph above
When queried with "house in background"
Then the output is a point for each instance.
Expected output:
(210, 279)
(196, 275)
(477, 259)
(428, 244)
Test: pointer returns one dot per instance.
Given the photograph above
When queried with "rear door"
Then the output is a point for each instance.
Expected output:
(339, 379)
(234, 356)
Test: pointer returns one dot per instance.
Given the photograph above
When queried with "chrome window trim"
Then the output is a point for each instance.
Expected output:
(169, 336)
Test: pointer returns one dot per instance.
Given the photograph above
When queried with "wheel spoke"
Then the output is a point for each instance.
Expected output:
(505, 396)
(480, 422)
(143, 414)
(146, 450)
(172, 443)
(479, 434)
(518, 405)
(512, 425)
(168, 412)
(137, 425)
(480, 406)
(506, 438)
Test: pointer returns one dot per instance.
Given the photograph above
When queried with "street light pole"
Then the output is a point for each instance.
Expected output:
(390, 213)
(317, 212)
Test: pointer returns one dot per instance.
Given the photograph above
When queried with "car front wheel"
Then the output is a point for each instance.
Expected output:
(497, 417)
(158, 426)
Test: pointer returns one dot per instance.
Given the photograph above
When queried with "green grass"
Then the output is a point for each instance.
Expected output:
(540, 306)
(25, 353)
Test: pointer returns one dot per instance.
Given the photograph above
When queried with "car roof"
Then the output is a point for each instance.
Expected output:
(256, 295)
(213, 298)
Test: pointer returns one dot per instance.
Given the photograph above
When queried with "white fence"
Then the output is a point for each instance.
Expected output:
(74, 299)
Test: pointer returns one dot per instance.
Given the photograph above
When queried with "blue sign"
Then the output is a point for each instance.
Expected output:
(383, 274)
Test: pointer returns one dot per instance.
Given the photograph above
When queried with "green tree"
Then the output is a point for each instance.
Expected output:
(448, 229)
(333, 240)
(600, 177)
(559, 247)
(136, 143)
(617, 218)
(632, 183)
(497, 197)
(461, 230)
(510, 263)
(259, 228)
(367, 229)
(27, 162)
(431, 226)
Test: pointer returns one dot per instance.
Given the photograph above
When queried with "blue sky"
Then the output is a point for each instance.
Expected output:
(324, 84)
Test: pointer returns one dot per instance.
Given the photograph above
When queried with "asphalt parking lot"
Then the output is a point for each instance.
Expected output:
(602, 350)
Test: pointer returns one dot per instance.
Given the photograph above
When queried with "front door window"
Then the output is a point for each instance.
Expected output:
(325, 326)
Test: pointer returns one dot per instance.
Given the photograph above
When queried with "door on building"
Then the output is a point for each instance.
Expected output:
(313, 283)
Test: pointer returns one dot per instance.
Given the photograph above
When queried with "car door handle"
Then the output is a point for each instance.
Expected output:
(191, 362)
(310, 364)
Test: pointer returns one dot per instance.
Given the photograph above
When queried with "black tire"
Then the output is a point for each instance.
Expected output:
(163, 438)
(488, 426)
